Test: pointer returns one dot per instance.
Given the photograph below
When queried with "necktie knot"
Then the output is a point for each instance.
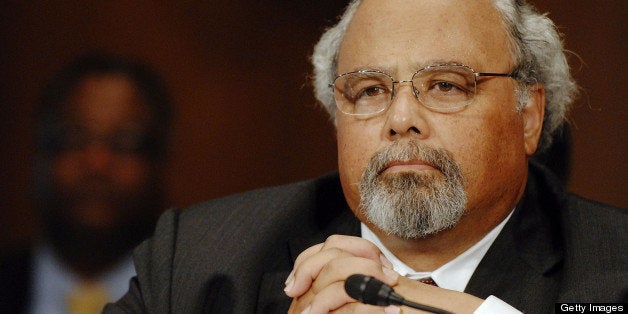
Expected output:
(87, 299)
(428, 280)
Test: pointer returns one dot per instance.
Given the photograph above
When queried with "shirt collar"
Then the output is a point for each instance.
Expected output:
(455, 274)
(53, 280)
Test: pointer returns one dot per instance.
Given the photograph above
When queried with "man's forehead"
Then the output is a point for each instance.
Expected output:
(422, 32)
(105, 102)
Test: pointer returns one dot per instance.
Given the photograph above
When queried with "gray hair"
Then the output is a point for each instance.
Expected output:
(536, 47)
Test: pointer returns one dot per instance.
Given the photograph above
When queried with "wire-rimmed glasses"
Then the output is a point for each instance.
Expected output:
(442, 88)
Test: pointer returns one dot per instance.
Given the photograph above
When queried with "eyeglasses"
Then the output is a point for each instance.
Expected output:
(442, 88)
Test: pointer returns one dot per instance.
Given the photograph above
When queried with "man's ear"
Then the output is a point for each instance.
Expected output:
(533, 114)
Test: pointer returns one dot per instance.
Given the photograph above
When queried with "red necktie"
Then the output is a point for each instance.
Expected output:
(429, 281)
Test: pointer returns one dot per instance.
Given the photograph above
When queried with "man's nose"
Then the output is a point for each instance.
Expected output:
(98, 156)
(406, 116)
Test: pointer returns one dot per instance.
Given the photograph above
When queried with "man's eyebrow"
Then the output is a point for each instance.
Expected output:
(391, 70)
(372, 68)
(421, 65)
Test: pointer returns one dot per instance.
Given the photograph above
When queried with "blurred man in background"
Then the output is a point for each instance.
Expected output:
(102, 138)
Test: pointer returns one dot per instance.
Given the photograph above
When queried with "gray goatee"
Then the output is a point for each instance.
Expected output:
(412, 205)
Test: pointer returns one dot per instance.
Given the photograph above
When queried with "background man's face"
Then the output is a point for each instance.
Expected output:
(99, 176)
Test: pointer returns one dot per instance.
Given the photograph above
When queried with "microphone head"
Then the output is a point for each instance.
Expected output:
(369, 290)
(355, 286)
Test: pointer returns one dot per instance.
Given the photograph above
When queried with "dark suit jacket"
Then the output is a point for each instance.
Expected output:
(232, 255)
(16, 270)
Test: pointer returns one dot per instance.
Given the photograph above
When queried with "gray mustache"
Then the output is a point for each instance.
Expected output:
(439, 158)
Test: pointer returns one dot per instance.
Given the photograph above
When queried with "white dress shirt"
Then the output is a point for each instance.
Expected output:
(53, 281)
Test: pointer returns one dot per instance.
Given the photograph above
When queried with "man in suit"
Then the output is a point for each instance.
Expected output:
(439, 108)
(101, 141)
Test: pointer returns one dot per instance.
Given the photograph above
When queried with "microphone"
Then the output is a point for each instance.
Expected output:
(369, 290)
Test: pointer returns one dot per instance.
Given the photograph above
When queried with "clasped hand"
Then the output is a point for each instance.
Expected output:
(316, 283)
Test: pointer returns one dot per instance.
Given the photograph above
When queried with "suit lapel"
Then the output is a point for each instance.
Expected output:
(511, 275)
(523, 265)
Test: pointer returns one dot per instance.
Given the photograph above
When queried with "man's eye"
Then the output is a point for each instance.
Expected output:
(372, 91)
(446, 87)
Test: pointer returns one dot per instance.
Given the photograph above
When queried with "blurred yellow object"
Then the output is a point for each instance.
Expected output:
(87, 298)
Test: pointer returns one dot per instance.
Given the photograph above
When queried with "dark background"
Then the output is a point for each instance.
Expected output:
(238, 71)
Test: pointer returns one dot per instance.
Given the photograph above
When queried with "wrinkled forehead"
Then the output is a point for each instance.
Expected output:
(403, 35)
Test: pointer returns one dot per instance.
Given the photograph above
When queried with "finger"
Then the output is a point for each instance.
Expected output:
(303, 256)
(327, 292)
(299, 281)
(355, 245)
(330, 299)
(299, 304)
(338, 270)
(307, 253)
(303, 275)
(334, 299)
